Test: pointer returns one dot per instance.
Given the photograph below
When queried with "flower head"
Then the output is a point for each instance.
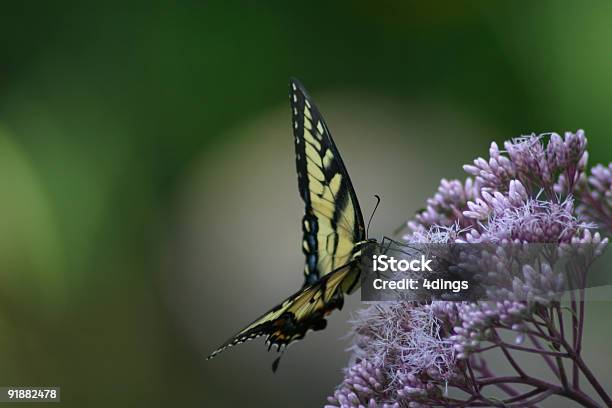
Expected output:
(536, 191)
(398, 352)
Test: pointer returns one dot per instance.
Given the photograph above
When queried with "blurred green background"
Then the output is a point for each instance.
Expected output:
(148, 199)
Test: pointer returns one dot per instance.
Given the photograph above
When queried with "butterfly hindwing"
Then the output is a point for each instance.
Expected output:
(332, 222)
(303, 311)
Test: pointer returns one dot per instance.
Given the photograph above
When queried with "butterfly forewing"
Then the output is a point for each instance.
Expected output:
(332, 222)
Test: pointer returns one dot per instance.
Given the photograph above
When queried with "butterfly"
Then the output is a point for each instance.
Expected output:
(334, 235)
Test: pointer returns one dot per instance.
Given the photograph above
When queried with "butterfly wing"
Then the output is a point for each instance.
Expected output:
(332, 222)
(303, 311)
(333, 234)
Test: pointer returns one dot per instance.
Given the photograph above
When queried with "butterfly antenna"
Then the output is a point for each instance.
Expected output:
(372, 215)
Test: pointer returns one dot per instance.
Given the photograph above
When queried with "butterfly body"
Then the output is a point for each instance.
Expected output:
(333, 234)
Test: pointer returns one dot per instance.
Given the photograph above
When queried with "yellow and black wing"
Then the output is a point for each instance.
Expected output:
(332, 222)
(333, 233)
(303, 311)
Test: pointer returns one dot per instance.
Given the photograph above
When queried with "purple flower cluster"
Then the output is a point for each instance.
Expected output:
(445, 208)
(538, 166)
(597, 196)
(397, 349)
(536, 191)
